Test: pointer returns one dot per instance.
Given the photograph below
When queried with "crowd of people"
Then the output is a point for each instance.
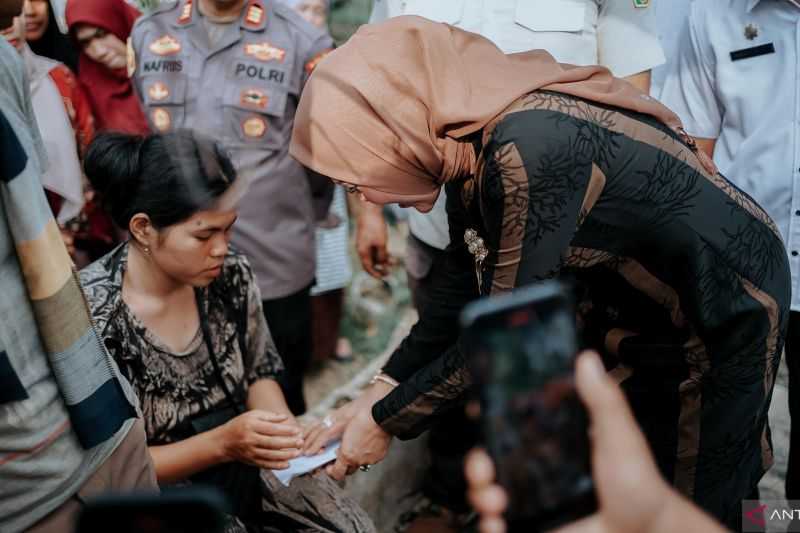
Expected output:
(176, 236)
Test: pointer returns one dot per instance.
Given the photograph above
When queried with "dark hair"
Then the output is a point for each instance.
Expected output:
(168, 177)
(54, 44)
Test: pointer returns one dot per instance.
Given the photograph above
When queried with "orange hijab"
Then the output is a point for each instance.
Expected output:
(389, 111)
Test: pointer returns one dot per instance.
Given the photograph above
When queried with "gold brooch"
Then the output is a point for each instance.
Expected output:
(477, 248)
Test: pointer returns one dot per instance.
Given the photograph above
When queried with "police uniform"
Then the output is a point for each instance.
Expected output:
(239, 83)
(737, 80)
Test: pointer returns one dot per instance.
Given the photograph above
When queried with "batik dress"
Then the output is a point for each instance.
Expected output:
(681, 259)
(175, 388)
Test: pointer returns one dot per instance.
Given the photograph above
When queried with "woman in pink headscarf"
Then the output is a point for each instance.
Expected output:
(553, 169)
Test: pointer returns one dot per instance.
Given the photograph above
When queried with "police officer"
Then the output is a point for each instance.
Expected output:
(234, 70)
(735, 85)
(574, 31)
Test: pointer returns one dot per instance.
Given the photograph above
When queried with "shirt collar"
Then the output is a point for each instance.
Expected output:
(255, 15)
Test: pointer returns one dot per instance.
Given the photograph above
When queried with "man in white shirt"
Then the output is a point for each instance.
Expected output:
(671, 16)
(583, 32)
(735, 85)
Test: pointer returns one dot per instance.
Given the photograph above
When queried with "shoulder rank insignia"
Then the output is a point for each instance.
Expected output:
(253, 98)
(311, 65)
(186, 13)
(265, 52)
(131, 58)
(254, 127)
(158, 91)
(751, 32)
(255, 14)
(165, 46)
(641, 3)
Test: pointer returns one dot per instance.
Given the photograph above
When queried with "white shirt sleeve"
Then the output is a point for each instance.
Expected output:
(627, 37)
(690, 87)
(385, 9)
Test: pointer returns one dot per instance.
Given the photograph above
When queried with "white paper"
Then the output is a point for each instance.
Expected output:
(303, 465)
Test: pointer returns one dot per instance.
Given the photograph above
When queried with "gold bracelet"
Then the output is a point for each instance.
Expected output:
(384, 378)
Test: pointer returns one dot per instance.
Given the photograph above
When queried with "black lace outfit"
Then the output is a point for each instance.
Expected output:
(661, 248)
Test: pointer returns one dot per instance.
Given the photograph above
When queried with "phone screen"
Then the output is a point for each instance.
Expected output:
(521, 352)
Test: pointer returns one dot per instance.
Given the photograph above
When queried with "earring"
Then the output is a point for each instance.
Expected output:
(146, 250)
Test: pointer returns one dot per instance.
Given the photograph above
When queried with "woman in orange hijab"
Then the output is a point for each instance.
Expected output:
(549, 169)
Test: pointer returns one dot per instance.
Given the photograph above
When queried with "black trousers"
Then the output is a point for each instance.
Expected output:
(793, 364)
(289, 321)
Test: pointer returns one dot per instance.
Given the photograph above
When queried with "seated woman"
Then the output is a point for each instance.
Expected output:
(550, 169)
(181, 314)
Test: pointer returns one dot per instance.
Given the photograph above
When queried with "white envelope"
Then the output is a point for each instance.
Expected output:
(304, 465)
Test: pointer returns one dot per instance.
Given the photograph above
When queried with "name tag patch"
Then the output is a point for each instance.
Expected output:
(755, 51)
(163, 65)
(259, 73)
(265, 52)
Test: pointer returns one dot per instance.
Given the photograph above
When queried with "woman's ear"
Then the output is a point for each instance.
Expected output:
(142, 229)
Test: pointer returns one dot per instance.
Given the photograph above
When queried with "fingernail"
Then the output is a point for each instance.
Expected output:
(592, 367)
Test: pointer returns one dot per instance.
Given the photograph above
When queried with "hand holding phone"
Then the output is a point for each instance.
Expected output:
(521, 350)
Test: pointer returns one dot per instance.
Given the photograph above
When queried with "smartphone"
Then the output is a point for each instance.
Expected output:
(192, 509)
(521, 351)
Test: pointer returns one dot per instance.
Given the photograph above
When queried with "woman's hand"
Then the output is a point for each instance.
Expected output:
(332, 427)
(371, 240)
(363, 443)
(632, 495)
(261, 438)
